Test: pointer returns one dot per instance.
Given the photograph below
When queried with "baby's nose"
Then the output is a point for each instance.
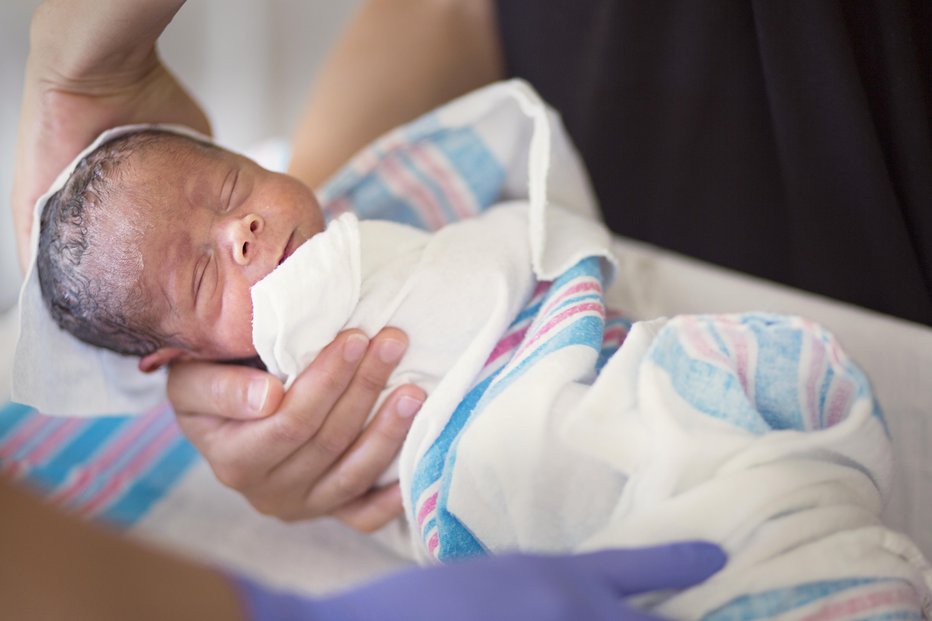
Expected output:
(242, 234)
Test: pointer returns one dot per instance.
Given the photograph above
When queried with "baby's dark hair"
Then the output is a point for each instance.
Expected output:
(90, 284)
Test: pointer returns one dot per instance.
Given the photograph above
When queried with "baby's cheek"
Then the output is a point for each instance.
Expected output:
(235, 328)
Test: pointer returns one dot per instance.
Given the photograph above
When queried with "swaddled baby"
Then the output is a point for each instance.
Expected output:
(753, 431)
(156, 245)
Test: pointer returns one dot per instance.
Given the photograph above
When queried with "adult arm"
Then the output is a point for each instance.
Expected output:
(55, 567)
(92, 65)
(396, 59)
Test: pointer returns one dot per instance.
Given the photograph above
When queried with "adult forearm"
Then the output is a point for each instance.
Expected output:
(396, 59)
(82, 42)
(55, 567)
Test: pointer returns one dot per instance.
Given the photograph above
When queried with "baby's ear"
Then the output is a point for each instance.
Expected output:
(159, 358)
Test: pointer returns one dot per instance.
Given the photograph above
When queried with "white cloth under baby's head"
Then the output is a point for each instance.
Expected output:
(55, 372)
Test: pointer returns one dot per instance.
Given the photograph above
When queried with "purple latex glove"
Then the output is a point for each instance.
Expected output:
(545, 588)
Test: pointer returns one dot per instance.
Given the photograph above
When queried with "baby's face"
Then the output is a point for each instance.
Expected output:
(214, 224)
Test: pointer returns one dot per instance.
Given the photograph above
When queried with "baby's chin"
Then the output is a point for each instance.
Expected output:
(254, 362)
(227, 354)
(242, 358)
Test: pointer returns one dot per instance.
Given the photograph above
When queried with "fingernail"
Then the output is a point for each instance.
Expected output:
(390, 351)
(355, 347)
(408, 406)
(257, 394)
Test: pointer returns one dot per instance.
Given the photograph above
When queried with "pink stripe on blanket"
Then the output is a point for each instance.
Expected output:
(439, 170)
(84, 477)
(433, 543)
(54, 441)
(737, 340)
(839, 402)
(614, 336)
(581, 287)
(595, 307)
(816, 372)
(507, 344)
(26, 432)
(895, 598)
(426, 509)
(697, 339)
(130, 473)
(403, 183)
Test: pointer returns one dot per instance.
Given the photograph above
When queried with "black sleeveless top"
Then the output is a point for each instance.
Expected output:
(789, 140)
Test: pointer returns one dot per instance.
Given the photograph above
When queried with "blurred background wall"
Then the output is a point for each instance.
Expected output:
(249, 63)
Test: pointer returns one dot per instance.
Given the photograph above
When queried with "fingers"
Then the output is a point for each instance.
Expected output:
(243, 444)
(314, 455)
(348, 415)
(372, 511)
(309, 418)
(224, 390)
(672, 566)
(371, 454)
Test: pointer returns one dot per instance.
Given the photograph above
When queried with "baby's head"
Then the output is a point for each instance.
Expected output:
(153, 243)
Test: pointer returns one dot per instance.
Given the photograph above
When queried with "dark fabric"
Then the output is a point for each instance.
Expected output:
(787, 139)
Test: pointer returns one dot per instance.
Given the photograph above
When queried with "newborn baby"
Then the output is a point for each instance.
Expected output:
(152, 247)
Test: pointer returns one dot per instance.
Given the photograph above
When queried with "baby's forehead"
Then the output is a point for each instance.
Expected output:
(175, 152)
(169, 168)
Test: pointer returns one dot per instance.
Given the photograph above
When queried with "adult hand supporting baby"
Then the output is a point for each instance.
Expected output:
(307, 452)
(92, 65)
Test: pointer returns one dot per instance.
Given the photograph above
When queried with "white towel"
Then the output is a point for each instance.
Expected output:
(454, 292)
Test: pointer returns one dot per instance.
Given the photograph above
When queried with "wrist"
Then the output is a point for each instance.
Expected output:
(96, 47)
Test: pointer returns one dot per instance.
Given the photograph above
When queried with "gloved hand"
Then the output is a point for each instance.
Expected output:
(545, 588)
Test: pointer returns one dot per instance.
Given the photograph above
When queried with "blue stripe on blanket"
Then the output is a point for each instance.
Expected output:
(430, 466)
(473, 178)
(554, 328)
(152, 485)
(431, 185)
(11, 416)
(616, 329)
(457, 542)
(783, 602)
(760, 372)
(476, 165)
(85, 443)
(372, 198)
(712, 390)
(74, 460)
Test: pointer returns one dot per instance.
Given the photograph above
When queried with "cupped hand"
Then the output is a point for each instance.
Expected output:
(307, 452)
(61, 115)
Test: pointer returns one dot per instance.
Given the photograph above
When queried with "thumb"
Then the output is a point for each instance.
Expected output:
(638, 570)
